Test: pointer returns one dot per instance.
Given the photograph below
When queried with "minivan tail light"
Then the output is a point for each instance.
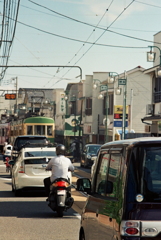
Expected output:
(132, 231)
(132, 224)
(22, 168)
(130, 228)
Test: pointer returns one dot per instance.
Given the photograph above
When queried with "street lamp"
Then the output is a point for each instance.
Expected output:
(123, 82)
(16, 85)
(151, 55)
(151, 58)
(104, 89)
(66, 101)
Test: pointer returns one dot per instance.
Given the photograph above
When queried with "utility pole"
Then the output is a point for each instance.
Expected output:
(16, 78)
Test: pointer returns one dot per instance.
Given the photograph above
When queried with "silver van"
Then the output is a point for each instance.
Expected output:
(124, 195)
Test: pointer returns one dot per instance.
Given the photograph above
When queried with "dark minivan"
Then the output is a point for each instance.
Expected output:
(124, 200)
(21, 140)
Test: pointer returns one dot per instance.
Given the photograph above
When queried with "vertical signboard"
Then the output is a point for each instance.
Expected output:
(62, 103)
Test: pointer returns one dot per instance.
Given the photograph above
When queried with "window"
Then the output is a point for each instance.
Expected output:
(88, 110)
(40, 153)
(144, 176)
(39, 130)
(157, 90)
(114, 173)
(49, 130)
(73, 108)
(29, 130)
(101, 178)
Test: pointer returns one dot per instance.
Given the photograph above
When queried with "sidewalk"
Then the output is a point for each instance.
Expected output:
(79, 199)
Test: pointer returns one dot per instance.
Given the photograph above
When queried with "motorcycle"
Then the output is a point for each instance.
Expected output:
(60, 199)
(8, 166)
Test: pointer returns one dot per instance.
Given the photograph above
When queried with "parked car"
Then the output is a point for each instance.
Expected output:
(94, 159)
(21, 140)
(89, 151)
(28, 171)
(124, 195)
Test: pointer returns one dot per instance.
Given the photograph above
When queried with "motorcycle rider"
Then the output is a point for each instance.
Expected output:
(59, 165)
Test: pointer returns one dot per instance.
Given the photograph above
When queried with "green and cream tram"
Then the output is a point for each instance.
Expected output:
(38, 125)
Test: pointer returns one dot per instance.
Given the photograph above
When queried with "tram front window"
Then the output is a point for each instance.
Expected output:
(39, 130)
(49, 130)
(29, 130)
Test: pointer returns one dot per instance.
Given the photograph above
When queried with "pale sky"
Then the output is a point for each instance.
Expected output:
(84, 33)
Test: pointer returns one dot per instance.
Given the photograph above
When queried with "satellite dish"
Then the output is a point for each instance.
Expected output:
(108, 121)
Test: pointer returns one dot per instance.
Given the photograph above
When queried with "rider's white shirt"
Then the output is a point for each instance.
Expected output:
(59, 165)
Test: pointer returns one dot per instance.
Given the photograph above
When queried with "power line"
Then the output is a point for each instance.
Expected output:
(91, 25)
(9, 20)
(64, 16)
(85, 41)
(104, 32)
(148, 4)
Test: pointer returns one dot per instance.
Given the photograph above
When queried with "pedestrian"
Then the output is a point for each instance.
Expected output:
(4, 150)
(75, 148)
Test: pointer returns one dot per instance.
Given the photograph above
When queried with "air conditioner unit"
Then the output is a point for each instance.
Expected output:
(149, 109)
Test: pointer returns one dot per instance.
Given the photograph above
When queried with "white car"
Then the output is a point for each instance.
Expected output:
(29, 168)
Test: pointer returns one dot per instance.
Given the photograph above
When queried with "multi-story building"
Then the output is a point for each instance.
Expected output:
(152, 119)
(94, 114)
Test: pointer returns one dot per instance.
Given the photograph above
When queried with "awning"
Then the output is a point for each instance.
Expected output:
(151, 118)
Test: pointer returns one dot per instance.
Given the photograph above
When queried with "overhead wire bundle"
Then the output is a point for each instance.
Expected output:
(8, 28)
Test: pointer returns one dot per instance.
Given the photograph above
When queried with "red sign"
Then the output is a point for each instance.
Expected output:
(10, 96)
(119, 116)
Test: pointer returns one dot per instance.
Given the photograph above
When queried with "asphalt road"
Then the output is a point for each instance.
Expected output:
(29, 218)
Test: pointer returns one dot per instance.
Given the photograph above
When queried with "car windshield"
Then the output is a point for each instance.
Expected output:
(40, 154)
(31, 140)
(93, 149)
(145, 175)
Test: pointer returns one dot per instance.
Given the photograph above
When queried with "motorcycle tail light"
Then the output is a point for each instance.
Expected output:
(132, 231)
(60, 184)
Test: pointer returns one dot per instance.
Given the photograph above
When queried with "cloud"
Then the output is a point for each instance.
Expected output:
(98, 8)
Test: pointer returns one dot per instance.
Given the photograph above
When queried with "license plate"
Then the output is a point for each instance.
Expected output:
(61, 192)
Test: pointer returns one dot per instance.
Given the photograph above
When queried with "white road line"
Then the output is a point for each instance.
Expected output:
(8, 179)
(77, 215)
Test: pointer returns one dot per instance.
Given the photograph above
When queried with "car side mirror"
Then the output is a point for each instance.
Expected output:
(109, 187)
(84, 185)
(94, 158)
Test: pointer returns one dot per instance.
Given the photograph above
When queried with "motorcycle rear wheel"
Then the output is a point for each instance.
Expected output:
(60, 211)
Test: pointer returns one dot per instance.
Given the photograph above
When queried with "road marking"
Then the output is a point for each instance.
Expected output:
(77, 215)
(9, 179)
